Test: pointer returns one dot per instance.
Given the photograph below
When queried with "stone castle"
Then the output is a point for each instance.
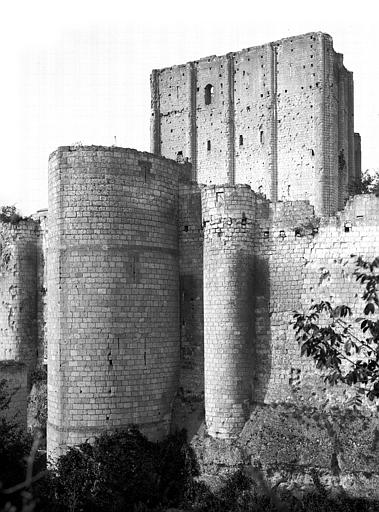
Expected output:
(165, 282)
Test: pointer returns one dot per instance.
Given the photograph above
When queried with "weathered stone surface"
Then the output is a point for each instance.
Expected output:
(169, 297)
(290, 447)
(278, 117)
(113, 279)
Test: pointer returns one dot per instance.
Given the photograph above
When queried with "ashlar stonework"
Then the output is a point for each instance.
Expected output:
(165, 282)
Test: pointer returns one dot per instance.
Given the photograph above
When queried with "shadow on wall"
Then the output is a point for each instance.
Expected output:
(188, 407)
(262, 347)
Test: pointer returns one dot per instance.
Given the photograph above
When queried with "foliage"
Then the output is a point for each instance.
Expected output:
(19, 462)
(242, 493)
(326, 335)
(119, 471)
(368, 183)
(308, 227)
(9, 214)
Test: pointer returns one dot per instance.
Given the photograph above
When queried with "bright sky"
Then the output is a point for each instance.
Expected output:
(79, 70)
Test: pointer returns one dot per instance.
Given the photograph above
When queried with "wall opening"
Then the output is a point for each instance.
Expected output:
(348, 227)
(208, 94)
(261, 136)
(241, 140)
(208, 145)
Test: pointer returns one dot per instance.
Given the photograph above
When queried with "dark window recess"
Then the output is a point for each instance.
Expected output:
(244, 219)
(185, 228)
(266, 234)
(208, 145)
(145, 166)
(134, 270)
(208, 94)
(241, 140)
(219, 197)
(348, 227)
(261, 137)
(179, 157)
(312, 152)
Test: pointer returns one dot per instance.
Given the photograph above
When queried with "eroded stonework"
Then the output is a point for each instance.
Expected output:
(166, 286)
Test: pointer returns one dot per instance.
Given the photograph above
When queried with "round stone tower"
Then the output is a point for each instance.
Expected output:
(228, 220)
(113, 314)
(18, 296)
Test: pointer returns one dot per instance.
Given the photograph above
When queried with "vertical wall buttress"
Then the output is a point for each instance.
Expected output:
(191, 133)
(155, 122)
(274, 125)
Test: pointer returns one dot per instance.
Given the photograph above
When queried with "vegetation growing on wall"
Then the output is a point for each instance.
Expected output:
(10, 214)
(367, 184)
(345, 354)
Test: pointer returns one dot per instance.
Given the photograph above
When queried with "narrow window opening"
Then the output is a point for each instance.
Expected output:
(208, 145)
(219, 197)
(261, 136)
(134, 273)
(185, 228)
(312, 152)
(208, 94)
(241, 140)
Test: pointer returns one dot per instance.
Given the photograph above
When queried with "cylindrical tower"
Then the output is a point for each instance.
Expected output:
(18, 292)
(113, 313)
(228, 220)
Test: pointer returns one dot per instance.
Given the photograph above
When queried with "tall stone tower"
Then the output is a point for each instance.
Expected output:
(113, 281)
(279, 117)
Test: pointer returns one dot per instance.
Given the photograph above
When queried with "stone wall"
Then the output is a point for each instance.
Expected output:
(18, 293)
(305, 259)
(229, 221)
(113, 281)
(15, 375)
(191, 289)
(42, 298)
(261, 263)
(278, 117)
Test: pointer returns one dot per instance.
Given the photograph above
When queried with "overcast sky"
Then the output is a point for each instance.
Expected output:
(79, 71)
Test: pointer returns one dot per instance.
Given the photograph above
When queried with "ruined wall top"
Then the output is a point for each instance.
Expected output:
(278, 117)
